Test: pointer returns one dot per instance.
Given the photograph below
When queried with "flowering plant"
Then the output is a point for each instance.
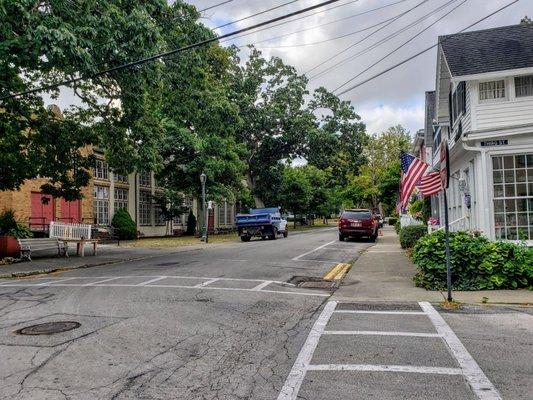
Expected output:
(433, 221)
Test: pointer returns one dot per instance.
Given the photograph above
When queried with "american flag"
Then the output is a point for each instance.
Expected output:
(430, 184)
(412, 171)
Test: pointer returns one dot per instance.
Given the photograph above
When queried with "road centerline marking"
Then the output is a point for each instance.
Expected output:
(476, 378)
(312, 251)
(296, 376)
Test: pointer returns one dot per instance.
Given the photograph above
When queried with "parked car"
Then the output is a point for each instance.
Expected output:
(266, 223)
(358, 223)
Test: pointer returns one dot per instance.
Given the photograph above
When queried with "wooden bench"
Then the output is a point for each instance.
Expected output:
(27, 246)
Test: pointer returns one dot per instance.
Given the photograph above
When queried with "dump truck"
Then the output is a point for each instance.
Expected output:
(266, 223)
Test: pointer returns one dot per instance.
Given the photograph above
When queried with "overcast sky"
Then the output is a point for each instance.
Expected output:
(394, 98)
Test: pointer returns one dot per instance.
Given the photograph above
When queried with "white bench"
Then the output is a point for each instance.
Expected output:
(27, 246)
(81, 234)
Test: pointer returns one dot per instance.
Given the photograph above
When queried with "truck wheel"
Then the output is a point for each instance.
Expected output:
(274, 234)
(245, 238)
(285, 233)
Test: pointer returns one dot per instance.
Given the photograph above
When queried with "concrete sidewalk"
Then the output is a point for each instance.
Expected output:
(385, 273)
(107, 254)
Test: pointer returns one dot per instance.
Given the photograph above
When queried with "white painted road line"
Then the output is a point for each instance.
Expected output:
(48, 283)
(102, 281)
(262, 285)
(312, 251)
(380, 312)
(207, 282)
(385, 368)
(296, 376)
(383, 333)
(160, 278)
(478, 381)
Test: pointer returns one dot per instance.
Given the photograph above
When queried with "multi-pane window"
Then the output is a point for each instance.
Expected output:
(121, 178)
(225, 214)
(145, 178)
(145, 208)
(158, 215)
(101, 171)
(512, 178)
(121, 198)
(492, 90)
(101, 205)
(523, 86)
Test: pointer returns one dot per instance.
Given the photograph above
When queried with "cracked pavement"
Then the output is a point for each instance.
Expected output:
(168, 342)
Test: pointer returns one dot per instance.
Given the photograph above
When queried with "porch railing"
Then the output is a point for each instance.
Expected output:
(70, 231)
(461, 224)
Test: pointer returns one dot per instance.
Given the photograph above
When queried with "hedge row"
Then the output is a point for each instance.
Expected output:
(476, 263)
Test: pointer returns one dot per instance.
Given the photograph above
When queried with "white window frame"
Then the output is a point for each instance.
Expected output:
(528, 198)
(121, 198)
(101, 205)
(145, 208)
(101, 170)
(530, 77)
(495, 99)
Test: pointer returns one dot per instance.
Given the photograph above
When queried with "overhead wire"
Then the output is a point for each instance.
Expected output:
(366, 37)
(163, 55)
(406, 60)
(326, 24)
(215, 5)
(256, 14)
(400, 46)
(383, 40)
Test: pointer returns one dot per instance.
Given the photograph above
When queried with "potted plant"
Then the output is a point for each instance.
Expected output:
(10, 231)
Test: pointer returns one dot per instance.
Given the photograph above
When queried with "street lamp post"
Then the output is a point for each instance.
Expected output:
(203, 178)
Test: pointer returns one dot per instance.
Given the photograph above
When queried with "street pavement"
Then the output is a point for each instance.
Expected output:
(222, 323)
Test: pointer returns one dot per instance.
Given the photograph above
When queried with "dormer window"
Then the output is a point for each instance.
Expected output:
(492, 90)
(524, 86)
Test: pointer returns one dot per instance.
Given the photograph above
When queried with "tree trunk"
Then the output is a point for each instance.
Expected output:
(250, 182)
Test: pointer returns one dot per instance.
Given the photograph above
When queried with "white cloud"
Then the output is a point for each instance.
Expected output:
(378, 119)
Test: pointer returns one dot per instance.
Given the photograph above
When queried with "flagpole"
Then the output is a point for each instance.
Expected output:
(447, 241)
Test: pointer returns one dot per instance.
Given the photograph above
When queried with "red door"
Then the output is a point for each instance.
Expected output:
(70, 211)
(211, 221)
(42, 211)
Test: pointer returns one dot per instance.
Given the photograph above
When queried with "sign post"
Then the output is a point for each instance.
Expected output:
(445, 178)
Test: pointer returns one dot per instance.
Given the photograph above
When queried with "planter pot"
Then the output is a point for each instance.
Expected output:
(9, 247)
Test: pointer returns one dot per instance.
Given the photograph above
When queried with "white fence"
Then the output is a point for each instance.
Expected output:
(61, 230)
(407, 220)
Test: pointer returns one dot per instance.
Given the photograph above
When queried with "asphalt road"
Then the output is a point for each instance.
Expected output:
(221, 323)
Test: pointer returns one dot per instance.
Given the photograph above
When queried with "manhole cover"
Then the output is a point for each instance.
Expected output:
(49, 328)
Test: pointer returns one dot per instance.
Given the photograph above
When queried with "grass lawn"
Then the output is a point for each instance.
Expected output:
(176, 241)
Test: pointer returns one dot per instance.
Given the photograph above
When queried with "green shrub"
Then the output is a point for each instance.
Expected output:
(397, 227)
(392, 220)
(123, 225)
(476, 263)
(7, 222)
(409, 235)
(191, 224)
(20, 232)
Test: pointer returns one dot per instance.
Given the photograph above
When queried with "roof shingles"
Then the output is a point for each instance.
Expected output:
(490, 50)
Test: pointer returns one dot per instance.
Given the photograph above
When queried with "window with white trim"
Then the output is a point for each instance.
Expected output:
(225, 214)
(512, 178)
(492, 90)
(523, 86)
(121, 198)
(121, 178)
(145, 207)
(101, 171)
(101, 205)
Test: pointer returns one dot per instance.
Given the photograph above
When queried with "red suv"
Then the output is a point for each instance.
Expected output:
(357, 224)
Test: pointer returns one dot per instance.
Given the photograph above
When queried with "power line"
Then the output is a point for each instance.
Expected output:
(296, 19)
(383, 40)
(400, 46)
(325, 24)
(256, 14)
(168, 53)
(366, 37)
(215, 5)
(423, 51)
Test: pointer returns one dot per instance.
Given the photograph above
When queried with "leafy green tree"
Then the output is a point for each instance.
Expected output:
(526, 21)
(270, 96)
(296, 192)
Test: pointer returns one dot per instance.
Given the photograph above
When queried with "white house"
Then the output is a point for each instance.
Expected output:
(483, 107)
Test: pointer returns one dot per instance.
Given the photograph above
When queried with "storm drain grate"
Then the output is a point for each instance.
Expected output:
(49, 328)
